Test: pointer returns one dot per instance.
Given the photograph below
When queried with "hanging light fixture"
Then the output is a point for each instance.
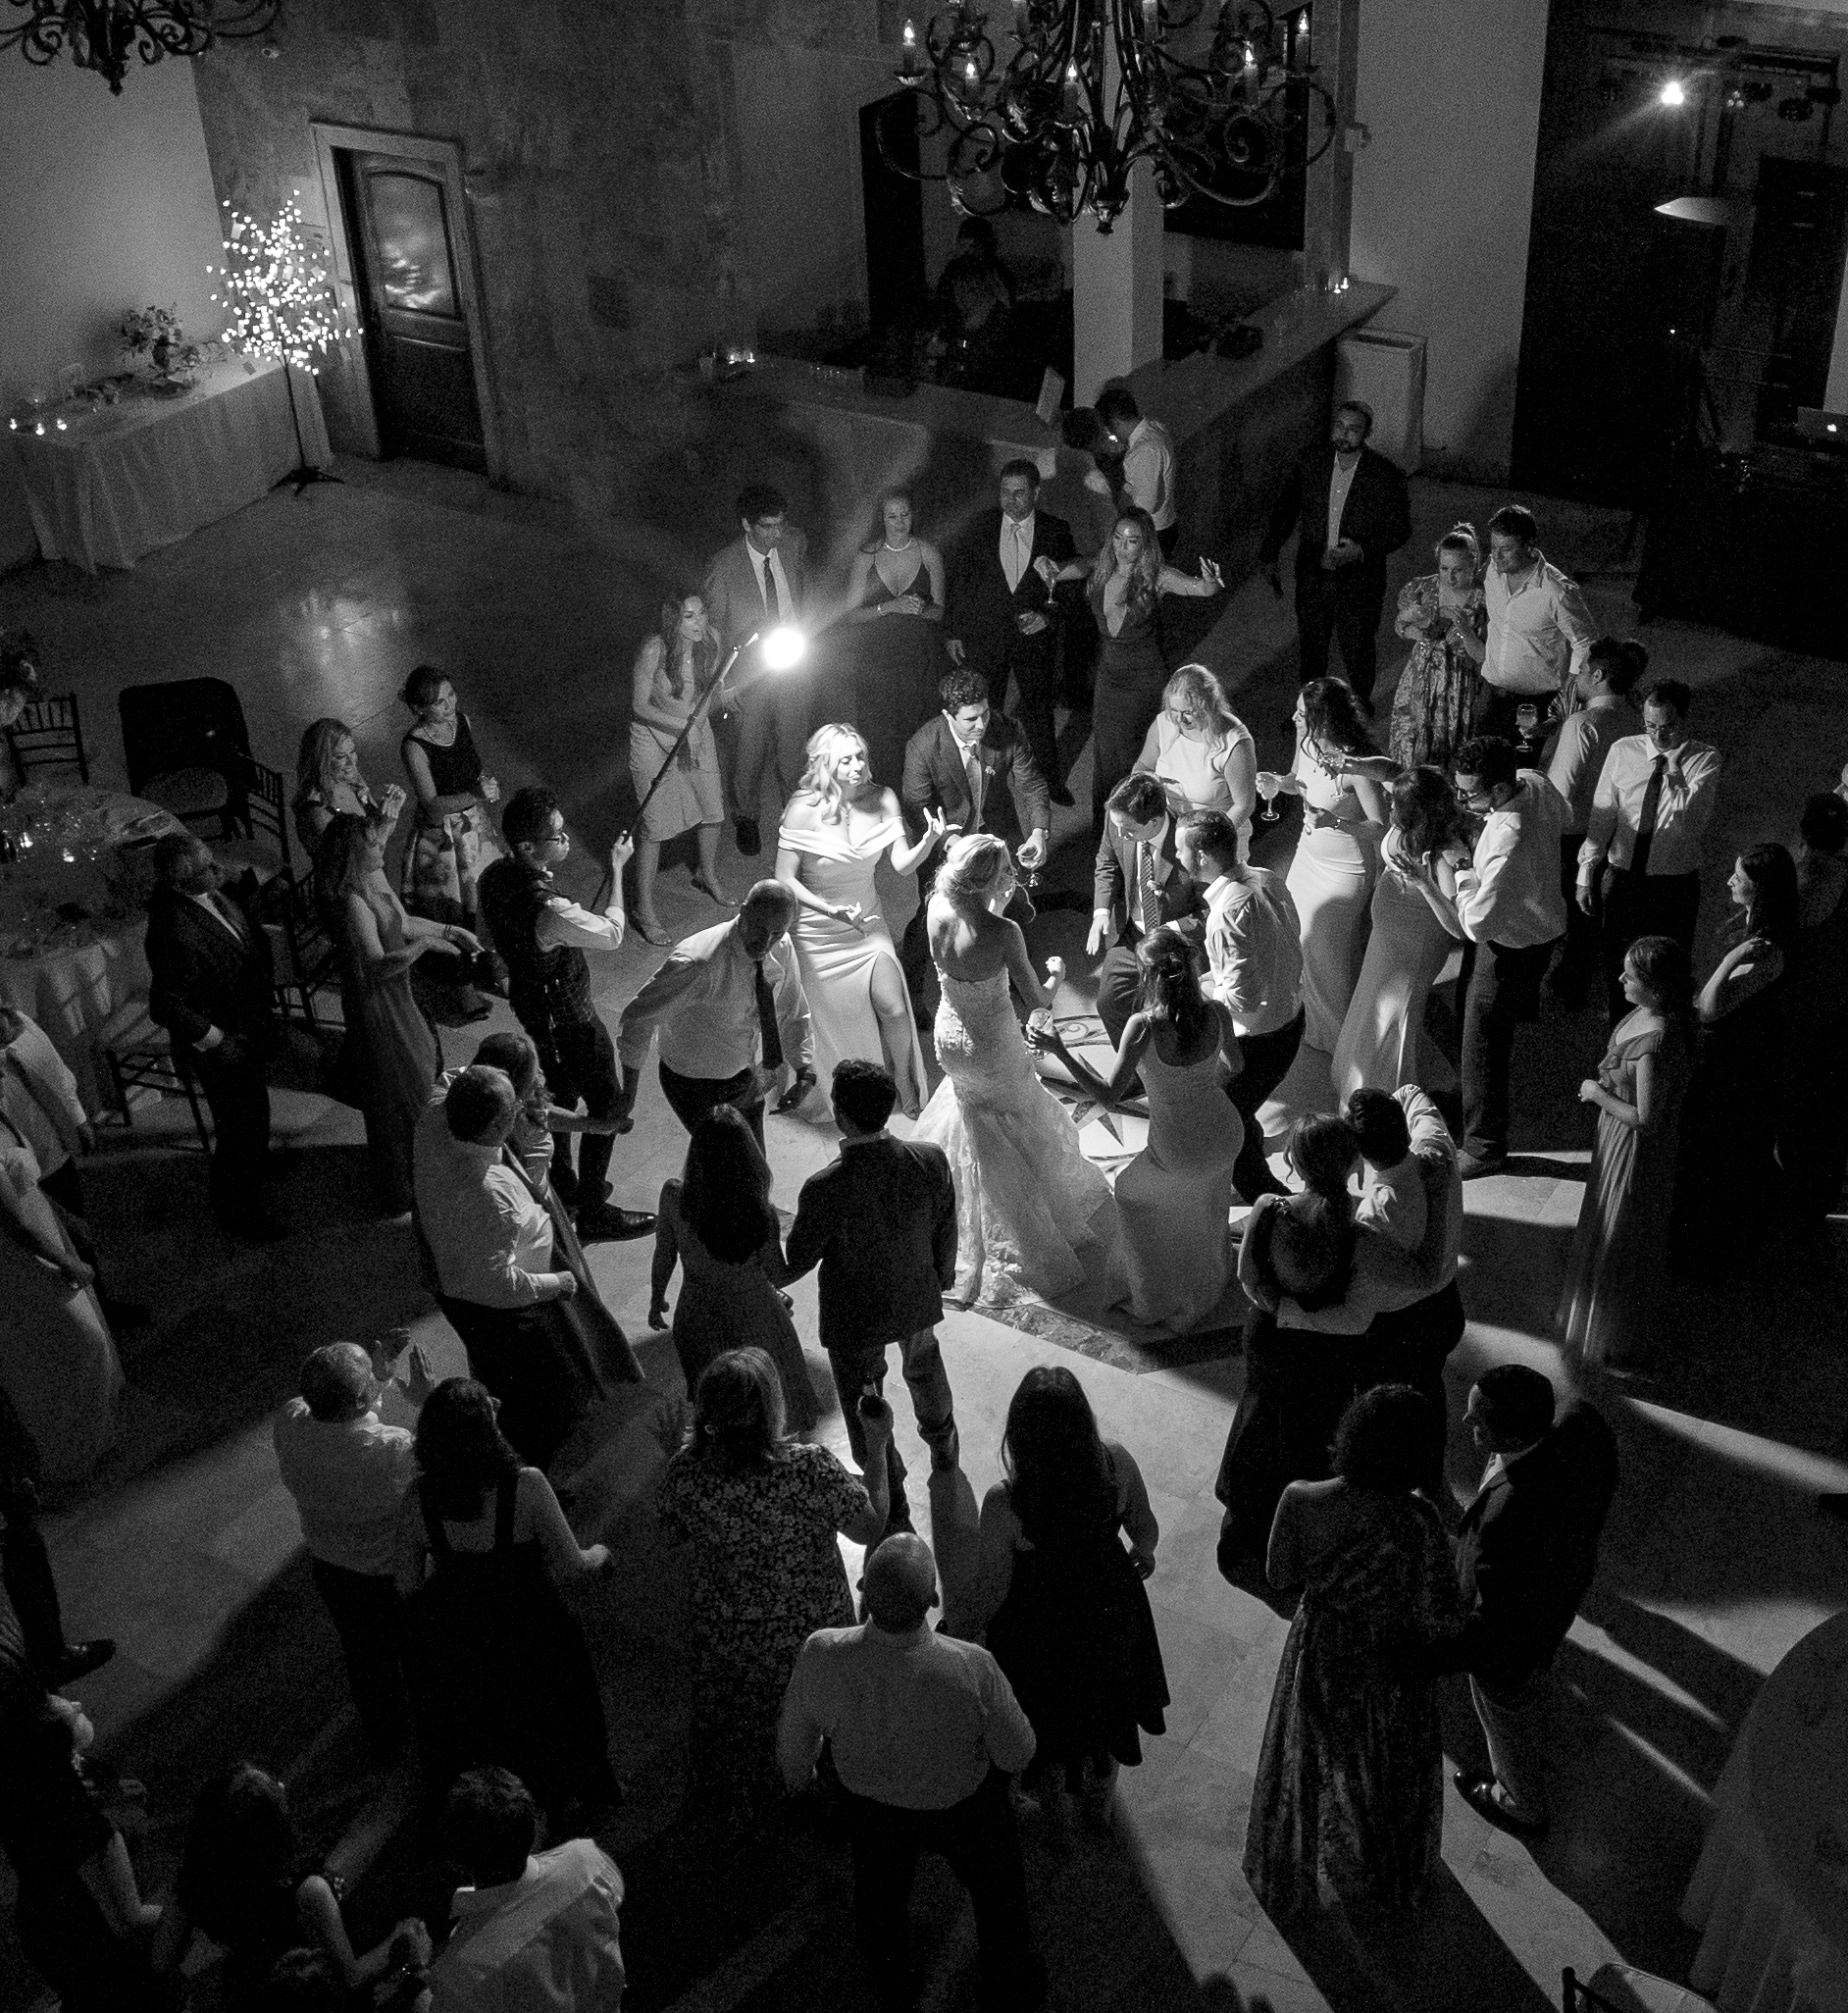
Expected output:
(1219, 97)
(103, 34)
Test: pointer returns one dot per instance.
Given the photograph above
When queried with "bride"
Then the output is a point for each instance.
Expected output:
(834, 830)
(1027, 1200)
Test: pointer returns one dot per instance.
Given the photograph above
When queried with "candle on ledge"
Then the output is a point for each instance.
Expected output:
(1302, 40)
(908, 65)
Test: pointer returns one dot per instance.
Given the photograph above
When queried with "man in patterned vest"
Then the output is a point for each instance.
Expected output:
(543, 935)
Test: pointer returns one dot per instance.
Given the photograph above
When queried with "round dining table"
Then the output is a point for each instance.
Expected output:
(75, 875)
(1770, 1894)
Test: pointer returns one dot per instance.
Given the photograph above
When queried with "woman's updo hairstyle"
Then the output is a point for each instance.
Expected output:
(1461, 538)
(974, 867)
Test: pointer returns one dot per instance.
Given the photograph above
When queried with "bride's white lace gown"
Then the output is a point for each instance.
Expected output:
(1027, 1200)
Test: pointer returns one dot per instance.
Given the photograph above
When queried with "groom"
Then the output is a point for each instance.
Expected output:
(972, 764)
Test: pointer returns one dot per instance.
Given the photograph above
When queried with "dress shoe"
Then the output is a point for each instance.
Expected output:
(79, 1659)
(602, 1225)
(1061, 797)
(1472, 1166)
(1479, 1793)
(749, 839)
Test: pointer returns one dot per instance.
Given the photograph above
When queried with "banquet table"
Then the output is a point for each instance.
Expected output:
(1770, 1894)
(72, 921)
(122, 479)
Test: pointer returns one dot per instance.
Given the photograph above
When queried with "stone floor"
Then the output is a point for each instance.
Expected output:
(184, 1547)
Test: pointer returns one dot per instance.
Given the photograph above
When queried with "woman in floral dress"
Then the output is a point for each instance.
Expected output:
(761, 1515)
(1442, 616)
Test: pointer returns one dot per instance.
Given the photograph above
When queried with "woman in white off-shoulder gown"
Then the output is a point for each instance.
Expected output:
(1028, 1202)
(834, 830)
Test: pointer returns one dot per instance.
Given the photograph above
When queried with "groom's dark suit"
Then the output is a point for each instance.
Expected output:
(1114, 891)
(984, 616)
(1014, 803)
(766, 720)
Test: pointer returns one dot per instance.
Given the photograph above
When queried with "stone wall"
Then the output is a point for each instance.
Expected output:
(629, 201)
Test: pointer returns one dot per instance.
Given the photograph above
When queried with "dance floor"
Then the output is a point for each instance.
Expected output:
(186, 1548)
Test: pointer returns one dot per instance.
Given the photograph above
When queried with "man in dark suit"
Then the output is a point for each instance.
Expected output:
(759, 583)
(881, 1222)
(1349, 504)
(1002, 619)
(212, 993)
(1139, 884)
(974, 765)
(1526, 1551)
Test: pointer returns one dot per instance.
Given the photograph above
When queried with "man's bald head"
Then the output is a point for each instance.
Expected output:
(901, 1582)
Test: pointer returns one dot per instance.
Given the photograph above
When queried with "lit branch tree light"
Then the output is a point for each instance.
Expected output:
(280, 303)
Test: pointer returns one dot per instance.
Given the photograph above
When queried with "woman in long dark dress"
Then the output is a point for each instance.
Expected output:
(716, 1223)
(1124, 587)
(392, 1051)
(450, 842)
(1349, 1786)
(499, 1672)
(1062, 1600)
(1612, 1290)
(1728, 1161)
(895, 607)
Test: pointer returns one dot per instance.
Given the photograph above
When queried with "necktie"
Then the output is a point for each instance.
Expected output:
(973, 770)
(772, 606)
(1018, 559)
(1646, 817)
(767, 1019)
(1147, 887)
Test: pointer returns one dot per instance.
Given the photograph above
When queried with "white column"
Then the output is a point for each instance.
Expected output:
(1116, 290)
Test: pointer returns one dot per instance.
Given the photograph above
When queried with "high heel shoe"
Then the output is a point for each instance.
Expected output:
(713, 891)
(650, 928)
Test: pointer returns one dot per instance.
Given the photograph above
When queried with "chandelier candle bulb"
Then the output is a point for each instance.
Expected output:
(908, 64)
(1302, 40)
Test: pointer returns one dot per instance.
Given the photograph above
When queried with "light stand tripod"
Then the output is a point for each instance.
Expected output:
(302, 474)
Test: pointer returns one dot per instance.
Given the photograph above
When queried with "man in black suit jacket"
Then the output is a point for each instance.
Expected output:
(881, 1222)
(1526, 1551)
(1138, 844)
(938, 758)
(1002, 619)
(1349, 506)
(211, 991)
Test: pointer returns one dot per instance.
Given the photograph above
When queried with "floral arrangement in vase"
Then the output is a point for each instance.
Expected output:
(155, 333)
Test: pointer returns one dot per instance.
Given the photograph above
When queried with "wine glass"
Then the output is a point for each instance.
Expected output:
(1271, 814)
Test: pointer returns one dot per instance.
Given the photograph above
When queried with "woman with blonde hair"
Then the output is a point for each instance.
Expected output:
(329, 784)
(895, 615)
(1202, 753)
(672, 668)
(1028, 1201)
(1124, 586)
(1443, 616)
(834, 830)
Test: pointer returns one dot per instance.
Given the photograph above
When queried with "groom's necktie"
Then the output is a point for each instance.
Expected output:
(767, 1019)
(1148, 888)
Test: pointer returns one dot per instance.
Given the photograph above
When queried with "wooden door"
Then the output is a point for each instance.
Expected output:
(417, 337)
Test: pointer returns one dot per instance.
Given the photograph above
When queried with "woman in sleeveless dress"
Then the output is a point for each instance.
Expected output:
(1174, 1258)
(1331, 877)
(1060, 1600)
(1028, 1202)
(329, 784)
(672, 668)
(834, 830)
(1203, 753)
(1442, 615)
(1728, 1154)
(1414, 924)
(392, 1051)
(1350, 1787)
(896, 605)
(717, 1224)
(1608, 1311)
(499, 1672)
(450, 840)
(1124, 587)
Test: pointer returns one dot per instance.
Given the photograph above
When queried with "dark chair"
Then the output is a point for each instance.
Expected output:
(259, 855)
(188, 748)
(302, 954)
(141, 1055)
(47, 735)
(1623, 1988)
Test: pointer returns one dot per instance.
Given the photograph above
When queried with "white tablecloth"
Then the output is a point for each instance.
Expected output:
(1770, 1891)
(146, 472)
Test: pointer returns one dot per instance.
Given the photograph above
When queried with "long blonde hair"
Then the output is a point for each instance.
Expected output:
(819, 783)
(1195, 686)
(974, 867)
(1146, 576)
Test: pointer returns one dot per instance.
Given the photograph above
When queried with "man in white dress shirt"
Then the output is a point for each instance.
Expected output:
(1254, 956)
(1650, 814)
(1513, 912)
(1147, 462)
(924, 1730)
(1539, 626)
(731, 1013)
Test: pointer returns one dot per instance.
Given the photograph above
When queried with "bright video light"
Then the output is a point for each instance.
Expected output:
(783, 648)
(1674, 92)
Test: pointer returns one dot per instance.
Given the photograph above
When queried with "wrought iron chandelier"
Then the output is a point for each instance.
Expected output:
(103, 34)
(1221, 96)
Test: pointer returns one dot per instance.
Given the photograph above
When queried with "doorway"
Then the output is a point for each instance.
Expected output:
(405, 265)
